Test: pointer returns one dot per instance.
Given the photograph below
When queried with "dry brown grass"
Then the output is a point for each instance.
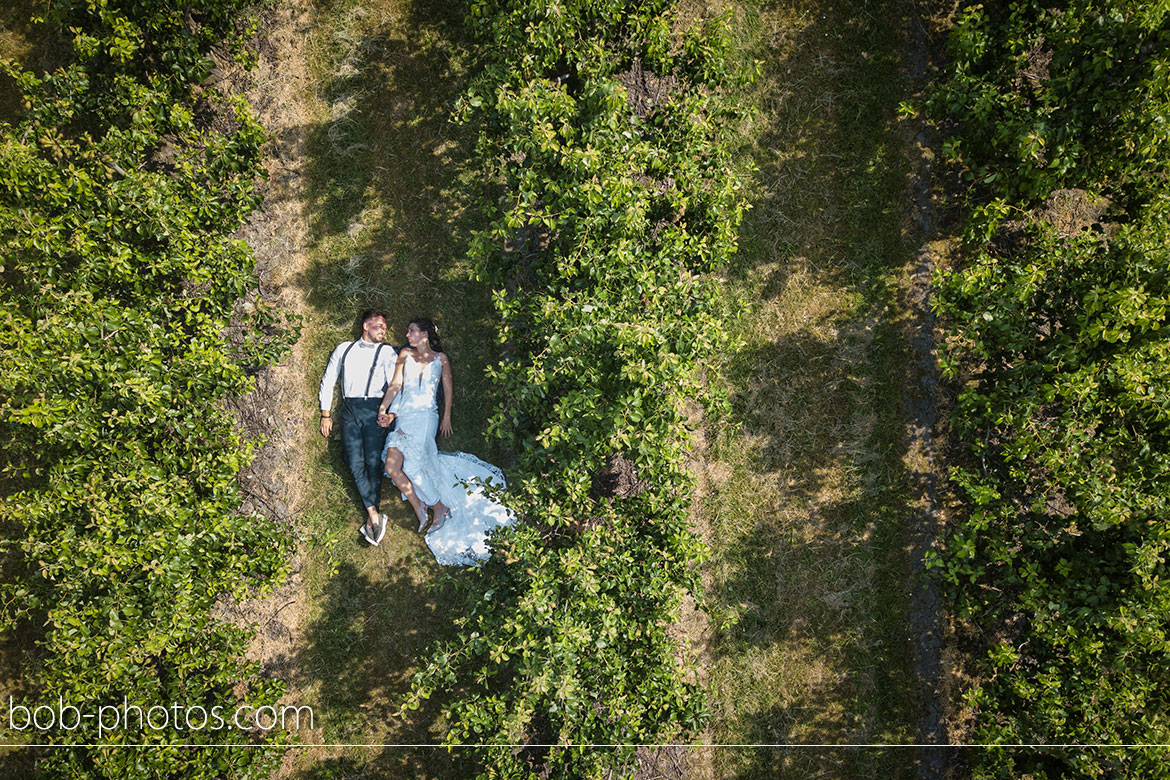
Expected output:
(278, 235)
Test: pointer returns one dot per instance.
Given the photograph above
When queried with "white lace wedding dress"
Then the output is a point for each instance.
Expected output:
(455, 478)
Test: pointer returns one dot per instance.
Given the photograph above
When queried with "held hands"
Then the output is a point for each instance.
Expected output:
(384, 419)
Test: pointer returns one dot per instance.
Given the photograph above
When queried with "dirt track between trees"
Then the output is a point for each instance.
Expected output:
(922, 455)
(278, 410)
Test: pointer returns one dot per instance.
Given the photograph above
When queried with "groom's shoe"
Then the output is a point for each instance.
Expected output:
(382, 522)
(366, 534)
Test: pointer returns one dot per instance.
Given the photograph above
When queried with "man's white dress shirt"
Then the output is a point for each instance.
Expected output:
(357, 371)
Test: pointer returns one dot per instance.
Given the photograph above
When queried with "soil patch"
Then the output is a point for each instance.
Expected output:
(645, 89)
(922, 402)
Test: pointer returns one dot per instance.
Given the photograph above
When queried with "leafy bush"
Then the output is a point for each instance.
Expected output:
(1045, 97)
(1055, 340)
(605, 147)
(119, 190)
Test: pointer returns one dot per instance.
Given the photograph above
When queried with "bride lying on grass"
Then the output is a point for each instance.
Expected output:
(450, 484)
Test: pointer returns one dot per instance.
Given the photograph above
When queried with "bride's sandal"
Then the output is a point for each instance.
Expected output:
(440, 518)
(423, 520)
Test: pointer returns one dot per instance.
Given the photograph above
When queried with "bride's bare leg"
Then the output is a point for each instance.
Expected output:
(402, 482)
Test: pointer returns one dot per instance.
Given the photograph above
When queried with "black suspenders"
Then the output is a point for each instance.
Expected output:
(373, 366)
(344, 355)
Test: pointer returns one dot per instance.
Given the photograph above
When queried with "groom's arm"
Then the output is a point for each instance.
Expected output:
(448, 395)
(328, 385)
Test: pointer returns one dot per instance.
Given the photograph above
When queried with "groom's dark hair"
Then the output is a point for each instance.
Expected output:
(368, 313)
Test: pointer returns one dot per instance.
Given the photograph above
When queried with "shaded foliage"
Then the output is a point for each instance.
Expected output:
(1062, 368)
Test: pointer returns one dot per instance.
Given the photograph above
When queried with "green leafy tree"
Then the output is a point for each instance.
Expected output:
(1056, 343)
(119, 190)
(612, 206)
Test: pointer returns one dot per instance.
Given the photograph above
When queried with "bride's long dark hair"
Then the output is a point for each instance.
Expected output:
(425, 323)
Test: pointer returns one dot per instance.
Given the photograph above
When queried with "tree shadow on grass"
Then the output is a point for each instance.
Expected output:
(772, 763)
(389, 190)
(387, 144)
(822, 581)
(830, 168)
(359, 652)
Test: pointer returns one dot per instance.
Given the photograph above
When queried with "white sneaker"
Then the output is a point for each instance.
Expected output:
(382, 522)
(372, 540)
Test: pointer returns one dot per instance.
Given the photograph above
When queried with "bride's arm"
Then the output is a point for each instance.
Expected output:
(394, 387)
(445, 425)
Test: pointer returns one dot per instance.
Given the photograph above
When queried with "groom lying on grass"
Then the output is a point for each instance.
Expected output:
(365, 367)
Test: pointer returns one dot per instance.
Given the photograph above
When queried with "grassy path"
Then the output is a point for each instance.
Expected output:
(382, 183)
(809, 496)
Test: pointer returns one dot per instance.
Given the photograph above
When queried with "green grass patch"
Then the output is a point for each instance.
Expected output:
(385, 184)
(809, 500)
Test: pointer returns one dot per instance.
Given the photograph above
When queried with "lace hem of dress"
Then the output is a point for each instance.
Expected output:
(494, 471)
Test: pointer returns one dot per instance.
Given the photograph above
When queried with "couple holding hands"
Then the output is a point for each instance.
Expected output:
(390, 400)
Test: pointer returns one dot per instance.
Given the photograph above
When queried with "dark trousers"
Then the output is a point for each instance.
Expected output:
(363, 440)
